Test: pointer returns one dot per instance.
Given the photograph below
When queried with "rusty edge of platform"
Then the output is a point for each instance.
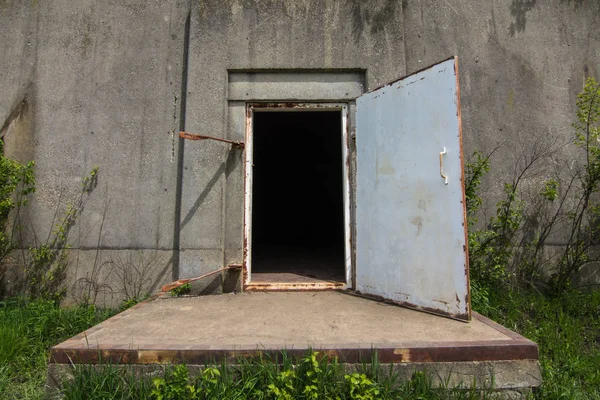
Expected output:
(515, 348)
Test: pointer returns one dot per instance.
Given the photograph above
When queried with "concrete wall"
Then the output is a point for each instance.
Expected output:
(102, 83)
(521, 66)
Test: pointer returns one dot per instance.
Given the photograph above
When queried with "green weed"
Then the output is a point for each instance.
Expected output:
(186, 288)
(17, 182)
(130, 302)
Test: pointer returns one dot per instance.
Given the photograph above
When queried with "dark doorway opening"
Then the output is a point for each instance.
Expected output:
(297, 197)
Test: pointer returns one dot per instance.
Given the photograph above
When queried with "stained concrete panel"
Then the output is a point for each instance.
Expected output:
(18, 43)
(296, 85)
(104, 94)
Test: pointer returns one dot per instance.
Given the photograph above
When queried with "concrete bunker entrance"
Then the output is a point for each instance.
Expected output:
(297, 205)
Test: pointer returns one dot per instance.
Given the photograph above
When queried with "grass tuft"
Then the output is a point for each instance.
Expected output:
(27, 331)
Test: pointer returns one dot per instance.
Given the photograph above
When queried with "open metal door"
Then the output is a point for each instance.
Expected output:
(411, 243)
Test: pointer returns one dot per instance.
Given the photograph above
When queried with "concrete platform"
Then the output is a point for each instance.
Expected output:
(200, 330)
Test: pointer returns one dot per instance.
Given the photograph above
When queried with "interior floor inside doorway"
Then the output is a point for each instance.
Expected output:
(297, 198)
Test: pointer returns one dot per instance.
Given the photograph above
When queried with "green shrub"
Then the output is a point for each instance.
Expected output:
(47, 261)
(17, 182)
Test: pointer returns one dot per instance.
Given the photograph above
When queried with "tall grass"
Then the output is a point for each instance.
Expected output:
(567, 331)
(109, 383)
(27, 330)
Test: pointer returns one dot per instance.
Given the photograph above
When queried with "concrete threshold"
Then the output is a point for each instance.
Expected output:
(203, 330)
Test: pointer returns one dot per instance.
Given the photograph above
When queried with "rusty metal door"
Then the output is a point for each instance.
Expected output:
(410, 209)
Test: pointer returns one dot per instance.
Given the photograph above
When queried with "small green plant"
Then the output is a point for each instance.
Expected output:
(475, 170)
(130, 302)
(174, 386)
(17, 182)
(47, 262)
(283, 387)
(361, 387)
(550, 191)
(312, 372)
(490, 248)
(184, 289)
(207, 386)
(585, 216)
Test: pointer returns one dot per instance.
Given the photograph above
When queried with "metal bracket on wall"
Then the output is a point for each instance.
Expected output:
(192, 136)
(176, 284)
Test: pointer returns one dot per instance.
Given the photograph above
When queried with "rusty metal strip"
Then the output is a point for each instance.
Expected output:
(170, 286)
(285, 286)
(462, 183)
(499, 350)
(193, 136)
(457, 317)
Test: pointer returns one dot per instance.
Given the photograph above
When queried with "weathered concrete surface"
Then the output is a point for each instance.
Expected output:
(281, 319)
(210, 327)
(102, 81)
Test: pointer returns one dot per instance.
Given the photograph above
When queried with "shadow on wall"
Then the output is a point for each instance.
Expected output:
(365, 14)
(576, 3)
(520, 8)
(233, 159)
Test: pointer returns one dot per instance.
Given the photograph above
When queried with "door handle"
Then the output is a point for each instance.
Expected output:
(445, 177)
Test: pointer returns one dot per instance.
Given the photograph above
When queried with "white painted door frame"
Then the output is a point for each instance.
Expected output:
(248, 175)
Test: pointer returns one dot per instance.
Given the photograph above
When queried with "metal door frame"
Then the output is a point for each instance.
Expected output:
(248, 175)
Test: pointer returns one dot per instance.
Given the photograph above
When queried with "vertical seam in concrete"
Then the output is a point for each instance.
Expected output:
(181, 148)
(88, 124)
(404, 37)
(226, 154)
